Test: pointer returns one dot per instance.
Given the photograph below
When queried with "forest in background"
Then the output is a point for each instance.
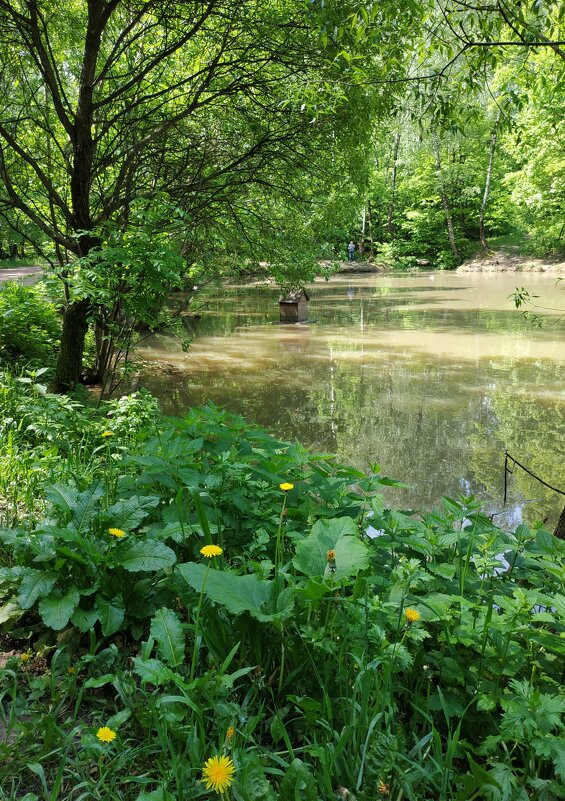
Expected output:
(150, 148)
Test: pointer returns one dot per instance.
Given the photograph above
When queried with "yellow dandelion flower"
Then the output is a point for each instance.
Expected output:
(116, 532)
(230, 733)
(411, 615)
(107, 434)
(211, 550)
(384, 789)
(286, 487)
(25, 657)
(330, 556)
(70, 670)
(217, 773)
(106, 735)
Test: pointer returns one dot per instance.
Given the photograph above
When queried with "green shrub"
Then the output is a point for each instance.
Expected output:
(29, 326)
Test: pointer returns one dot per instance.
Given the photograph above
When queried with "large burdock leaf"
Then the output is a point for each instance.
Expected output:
(339, 535)
(144, 556)
(166, 629)
(262, 599)
(56, 609)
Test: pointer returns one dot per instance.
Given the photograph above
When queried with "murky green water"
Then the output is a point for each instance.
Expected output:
(432, 377)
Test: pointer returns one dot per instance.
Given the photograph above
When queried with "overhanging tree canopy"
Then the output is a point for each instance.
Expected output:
(109, 101)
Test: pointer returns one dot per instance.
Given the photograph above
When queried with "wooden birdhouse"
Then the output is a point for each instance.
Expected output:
(294, 307)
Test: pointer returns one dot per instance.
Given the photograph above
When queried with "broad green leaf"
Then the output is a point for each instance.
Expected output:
(36, 584)
(85, 507)
(62, 496)
(167, 630)
(84, 620)
(262, 599)
(56, 609)
(298, 783)
(128, 514)
(145, 556)
(339, 535)
(152, 671)
(111, 613)
(10, 611)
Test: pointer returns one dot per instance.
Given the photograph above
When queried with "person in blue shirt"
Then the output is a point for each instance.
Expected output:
(350, 251)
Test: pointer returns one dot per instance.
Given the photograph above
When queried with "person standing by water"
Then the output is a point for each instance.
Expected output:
(350, 250)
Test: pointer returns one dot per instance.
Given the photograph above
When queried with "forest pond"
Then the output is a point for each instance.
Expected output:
(433, 377)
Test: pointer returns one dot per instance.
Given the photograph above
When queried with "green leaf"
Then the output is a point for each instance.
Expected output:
(84, 619)
(253, 785)
(110, 613)
(85, 507)
(298, 784)
(128, 514)
(56, 609)
(262, 599)
(167, 630)
(10, 611)
(62, 496)
(35, 584)
(152, 671)
(339, 535)
(145, 556)
(99, 681)
(156, 795)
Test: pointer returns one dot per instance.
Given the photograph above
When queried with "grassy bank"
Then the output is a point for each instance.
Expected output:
(193, 609)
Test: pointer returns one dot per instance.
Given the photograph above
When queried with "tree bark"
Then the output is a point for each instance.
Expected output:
(486, 193)
(69, 361)
(76, 317)
(560, 528)
(446, 207)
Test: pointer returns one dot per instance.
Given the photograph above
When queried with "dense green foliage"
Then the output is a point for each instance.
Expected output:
(29, 326)
(335, 645)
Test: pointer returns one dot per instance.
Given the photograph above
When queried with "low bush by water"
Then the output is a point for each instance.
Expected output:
(191, 608)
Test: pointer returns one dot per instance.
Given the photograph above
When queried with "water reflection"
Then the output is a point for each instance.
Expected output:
(431, 379)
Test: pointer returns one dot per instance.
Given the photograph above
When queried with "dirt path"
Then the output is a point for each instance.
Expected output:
(27, 275)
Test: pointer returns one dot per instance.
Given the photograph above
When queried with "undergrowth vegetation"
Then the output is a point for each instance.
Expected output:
(191, 608)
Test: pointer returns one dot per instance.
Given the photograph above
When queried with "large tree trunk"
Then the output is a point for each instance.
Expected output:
(76, 317)
(487, 182)
(446, 207)
(69, 361)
